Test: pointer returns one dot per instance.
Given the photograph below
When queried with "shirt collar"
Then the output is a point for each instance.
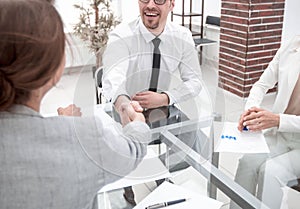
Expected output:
(148, 36)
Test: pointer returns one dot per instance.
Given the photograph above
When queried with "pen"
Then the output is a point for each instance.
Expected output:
(165, 204)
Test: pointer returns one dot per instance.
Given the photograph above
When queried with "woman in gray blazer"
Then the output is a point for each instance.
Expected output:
(54, 162)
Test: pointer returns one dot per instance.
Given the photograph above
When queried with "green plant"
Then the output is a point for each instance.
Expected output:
(96, 20)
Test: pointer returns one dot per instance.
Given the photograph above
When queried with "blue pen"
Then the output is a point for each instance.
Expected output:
(245, 128)
(165, 204)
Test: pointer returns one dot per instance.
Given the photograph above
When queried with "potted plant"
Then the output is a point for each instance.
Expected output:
(96, 20)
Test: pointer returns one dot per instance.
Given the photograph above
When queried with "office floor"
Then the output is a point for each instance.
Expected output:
(77, 87)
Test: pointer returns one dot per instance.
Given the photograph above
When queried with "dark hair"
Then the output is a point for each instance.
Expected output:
(32, 46)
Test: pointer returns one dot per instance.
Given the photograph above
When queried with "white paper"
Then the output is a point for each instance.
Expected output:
(150, 169)
(290, 199)
(230, 139)
(168, 192)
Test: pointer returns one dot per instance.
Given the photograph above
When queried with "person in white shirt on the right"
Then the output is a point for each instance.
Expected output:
(264, 174)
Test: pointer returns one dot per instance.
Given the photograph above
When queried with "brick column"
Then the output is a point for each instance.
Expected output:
(249, 38)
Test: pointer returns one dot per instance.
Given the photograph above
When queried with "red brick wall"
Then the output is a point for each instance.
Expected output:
(250, 36)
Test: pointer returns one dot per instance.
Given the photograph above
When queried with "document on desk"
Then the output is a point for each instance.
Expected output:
(150, 169)
(169, 192)
(229, 139)
(290, 198)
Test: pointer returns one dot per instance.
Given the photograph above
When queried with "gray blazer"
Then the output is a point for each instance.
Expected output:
(61, 162)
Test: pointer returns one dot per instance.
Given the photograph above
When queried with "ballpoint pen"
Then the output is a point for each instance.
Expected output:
(165, 204)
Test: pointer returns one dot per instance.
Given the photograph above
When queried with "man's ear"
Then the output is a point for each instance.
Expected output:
(172, 5)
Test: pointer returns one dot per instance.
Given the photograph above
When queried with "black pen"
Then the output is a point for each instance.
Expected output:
(165, 204)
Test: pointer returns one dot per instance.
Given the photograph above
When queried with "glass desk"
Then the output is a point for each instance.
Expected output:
(168, 131)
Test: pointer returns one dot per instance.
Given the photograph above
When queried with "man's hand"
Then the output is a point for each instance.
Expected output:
(130, 111)
(71, 110)
(150, 99)
(259, 119)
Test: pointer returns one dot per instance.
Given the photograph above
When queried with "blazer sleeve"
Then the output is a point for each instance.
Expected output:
(122, 149)
(267, 81)
(289, 123)
(115, 150)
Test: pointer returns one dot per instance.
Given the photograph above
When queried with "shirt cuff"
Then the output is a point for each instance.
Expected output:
(171, 99)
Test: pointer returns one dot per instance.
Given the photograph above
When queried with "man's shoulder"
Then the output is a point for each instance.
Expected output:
(175, 27)
(179, 33)
(125, 29)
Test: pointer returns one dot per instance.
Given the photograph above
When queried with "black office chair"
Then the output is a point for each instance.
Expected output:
(203, 41)
(294, 184)
(98, 73)
(210, 20)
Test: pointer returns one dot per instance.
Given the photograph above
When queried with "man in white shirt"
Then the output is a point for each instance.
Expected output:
(265, 174)
(129, 61)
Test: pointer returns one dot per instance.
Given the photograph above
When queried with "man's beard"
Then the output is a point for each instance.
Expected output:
(151, 24)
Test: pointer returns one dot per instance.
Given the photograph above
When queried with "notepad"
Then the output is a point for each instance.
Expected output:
(229, 139)
(168, 192)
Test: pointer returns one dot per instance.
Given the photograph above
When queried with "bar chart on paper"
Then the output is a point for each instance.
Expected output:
(230, 139)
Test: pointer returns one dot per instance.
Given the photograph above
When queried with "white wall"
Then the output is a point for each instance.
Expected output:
(128, 10)
(211, 7)
(77, 54)
(291, 25)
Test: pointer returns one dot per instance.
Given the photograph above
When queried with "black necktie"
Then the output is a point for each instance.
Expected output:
(155, 65)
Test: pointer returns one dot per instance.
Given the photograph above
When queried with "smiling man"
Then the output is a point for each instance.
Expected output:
(154, 18)
(144, 56)
(128, 59)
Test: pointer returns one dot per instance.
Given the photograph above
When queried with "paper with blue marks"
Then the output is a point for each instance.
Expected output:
(229, 139)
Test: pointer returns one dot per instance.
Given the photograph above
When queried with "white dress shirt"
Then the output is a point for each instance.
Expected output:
(128, 62)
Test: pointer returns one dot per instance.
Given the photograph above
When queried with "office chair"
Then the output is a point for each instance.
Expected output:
(97, 73)
(203, 41)
(210, 20)
(294, 184)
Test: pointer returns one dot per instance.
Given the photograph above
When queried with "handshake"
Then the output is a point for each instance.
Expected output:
(130, 111)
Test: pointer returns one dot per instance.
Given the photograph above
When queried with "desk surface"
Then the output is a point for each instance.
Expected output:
(169, 132)
(157, 117)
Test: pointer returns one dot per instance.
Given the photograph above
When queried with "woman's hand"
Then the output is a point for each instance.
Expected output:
(131, 111)
(259, 119)
(71, 110)
(242, 119)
